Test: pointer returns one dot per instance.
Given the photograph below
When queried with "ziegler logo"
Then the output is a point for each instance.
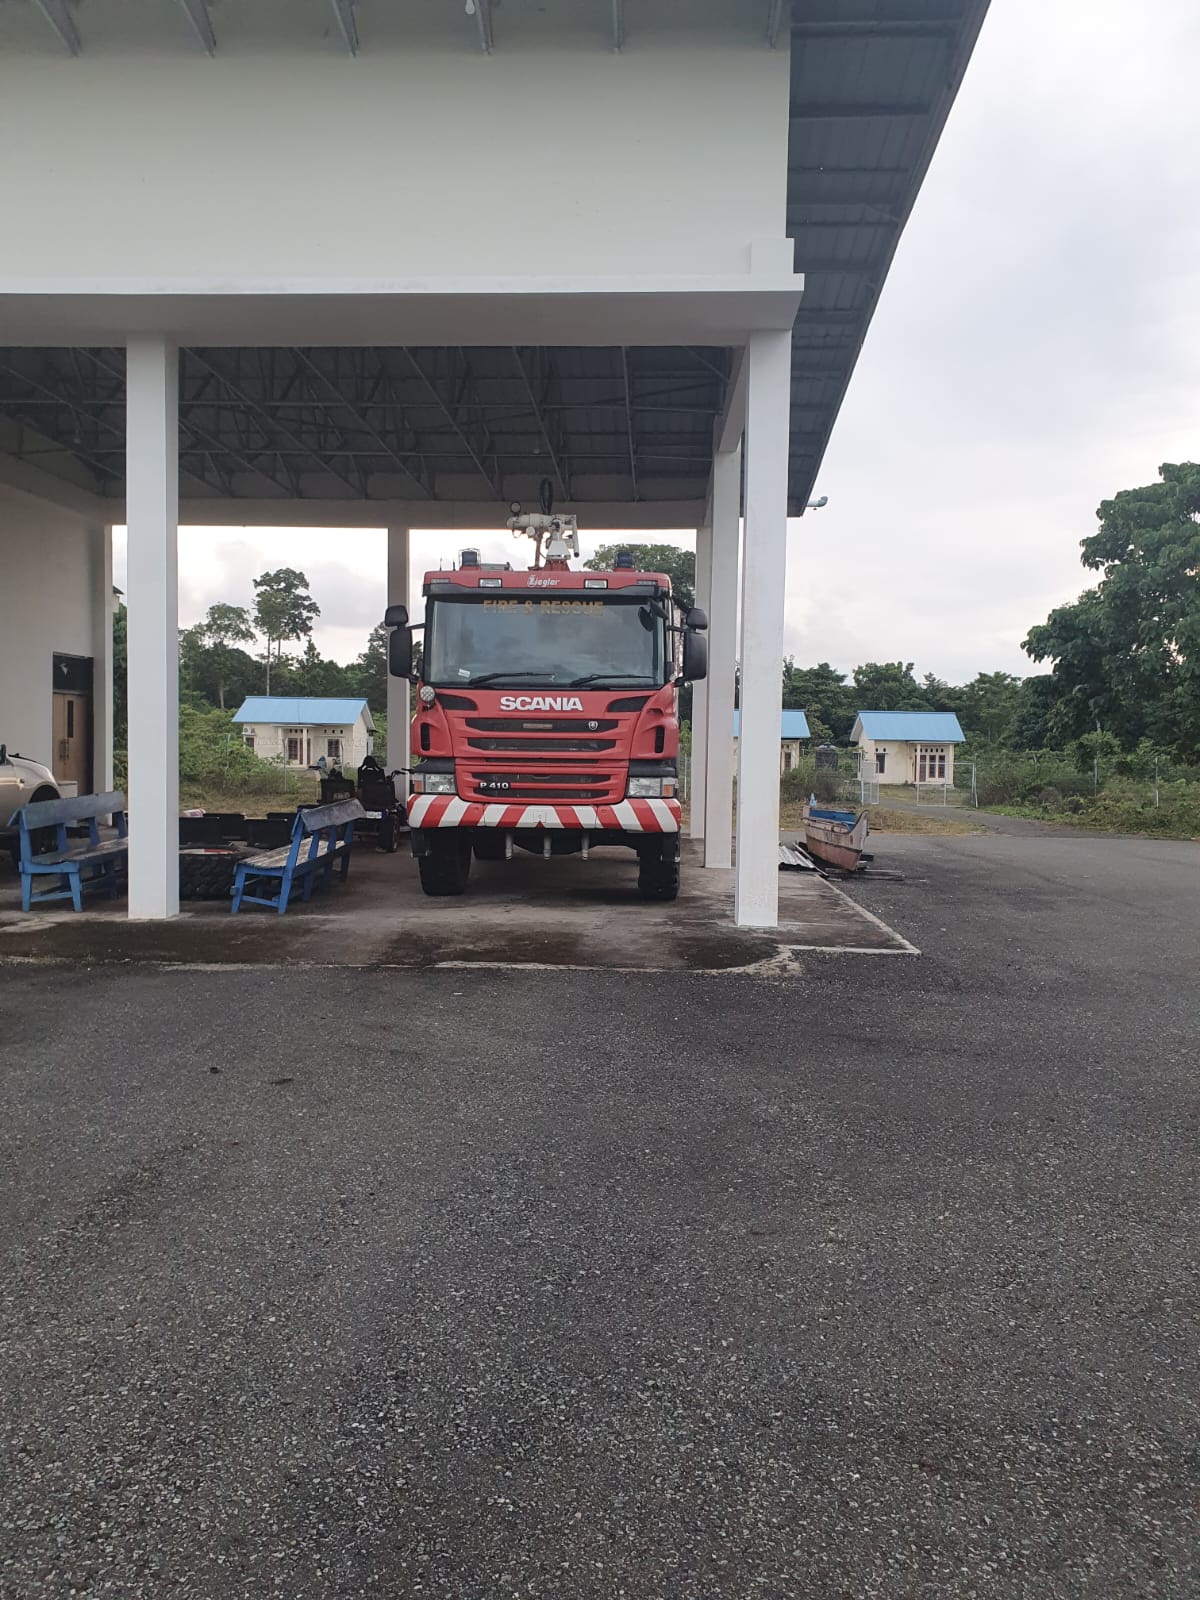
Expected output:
(542, 583)
(540, 702)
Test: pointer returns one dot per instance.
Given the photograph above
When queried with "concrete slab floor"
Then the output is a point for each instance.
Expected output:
(567, 913)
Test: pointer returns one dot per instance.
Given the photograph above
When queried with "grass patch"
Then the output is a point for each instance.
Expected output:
(883, 819)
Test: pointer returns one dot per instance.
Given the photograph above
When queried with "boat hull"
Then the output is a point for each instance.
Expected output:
(834, 843)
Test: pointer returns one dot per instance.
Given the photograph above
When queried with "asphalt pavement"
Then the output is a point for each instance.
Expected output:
(875, 1281)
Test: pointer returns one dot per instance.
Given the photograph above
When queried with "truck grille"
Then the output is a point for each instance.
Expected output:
(541, 724)
(552, 783)
(554, 745)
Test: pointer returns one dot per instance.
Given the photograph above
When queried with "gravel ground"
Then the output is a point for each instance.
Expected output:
(877, 1282)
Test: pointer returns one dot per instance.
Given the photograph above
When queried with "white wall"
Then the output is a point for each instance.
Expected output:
(46, 579)
(283, 159)
(901, 757)
(270, 741)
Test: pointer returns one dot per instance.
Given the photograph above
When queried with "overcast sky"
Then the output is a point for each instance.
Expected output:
(1036, 348)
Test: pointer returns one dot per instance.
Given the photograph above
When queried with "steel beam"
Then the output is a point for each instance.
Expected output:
(343, 13)
(775, 15)
(273, 424)
(540, 414)
(340, 399)
(209, 443)
(196, 12)
(629, 419)
(58, 15)
(618, 25)
(453, 421)
(864, 111)
(872, 28)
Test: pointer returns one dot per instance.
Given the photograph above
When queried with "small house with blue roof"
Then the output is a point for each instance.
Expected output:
(907, 746)
(793, 733)
(300, 730)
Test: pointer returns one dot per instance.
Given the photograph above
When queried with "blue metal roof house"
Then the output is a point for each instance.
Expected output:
(299, 730)
(905, 747)
(792, 725)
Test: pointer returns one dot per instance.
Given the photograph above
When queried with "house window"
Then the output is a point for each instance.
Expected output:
(931, 765)
(294, 748)
(880, 760)
(249, 740)
(333, 749)
(787, 760)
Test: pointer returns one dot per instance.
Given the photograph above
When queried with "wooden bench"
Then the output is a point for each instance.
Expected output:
(321, 837)
(77, 865)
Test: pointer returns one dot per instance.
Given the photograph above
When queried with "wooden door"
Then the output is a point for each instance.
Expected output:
(72, 739)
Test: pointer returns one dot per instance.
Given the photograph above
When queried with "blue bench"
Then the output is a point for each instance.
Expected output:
(322, 837)
(77, 865)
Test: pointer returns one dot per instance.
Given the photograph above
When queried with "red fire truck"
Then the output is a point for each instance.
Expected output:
(547, 711)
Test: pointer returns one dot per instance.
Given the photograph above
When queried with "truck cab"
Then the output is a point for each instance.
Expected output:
(547, 718)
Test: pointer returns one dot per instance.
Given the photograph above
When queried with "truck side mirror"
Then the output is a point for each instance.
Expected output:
(396, 617)
(695, 657)
(696, 619)
(400, 653)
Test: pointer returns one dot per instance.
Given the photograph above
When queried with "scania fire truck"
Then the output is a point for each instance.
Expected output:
(547, 711)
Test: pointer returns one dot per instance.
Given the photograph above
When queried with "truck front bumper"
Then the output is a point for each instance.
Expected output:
(625, 816)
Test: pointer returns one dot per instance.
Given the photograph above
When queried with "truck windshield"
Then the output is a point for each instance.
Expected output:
(544, 641)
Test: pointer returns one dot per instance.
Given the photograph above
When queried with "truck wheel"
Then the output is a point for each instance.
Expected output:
(446, 866)
(658, 878)
(489, 847)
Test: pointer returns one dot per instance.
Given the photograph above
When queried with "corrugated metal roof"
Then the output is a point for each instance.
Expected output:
(936, 727)
(792, 724)
(301, 711)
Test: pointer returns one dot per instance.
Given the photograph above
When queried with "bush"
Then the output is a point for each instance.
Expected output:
(807, 778)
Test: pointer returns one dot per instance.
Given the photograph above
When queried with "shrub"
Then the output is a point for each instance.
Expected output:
(807, 778)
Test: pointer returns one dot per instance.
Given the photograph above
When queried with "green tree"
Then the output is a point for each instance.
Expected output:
(822, 693)
(987, 707)
(1126, 654)
(679, 565)
(311, 674)
(120, 660)
(888, 686)
(370, 671)
(283, 609)
(212, 664)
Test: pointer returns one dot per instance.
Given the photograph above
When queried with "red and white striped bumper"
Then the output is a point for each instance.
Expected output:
(627, 816)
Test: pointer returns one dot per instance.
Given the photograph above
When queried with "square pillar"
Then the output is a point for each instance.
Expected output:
(764, 573)
(152, 513)
(399, 710)
(722, 656)
(697, 787)
(99, 540)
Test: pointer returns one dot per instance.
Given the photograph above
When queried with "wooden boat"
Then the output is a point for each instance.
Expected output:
(835, 838)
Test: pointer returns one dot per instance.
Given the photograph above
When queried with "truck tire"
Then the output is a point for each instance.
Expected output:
(489, 846)
(446, 865)
(658, 878)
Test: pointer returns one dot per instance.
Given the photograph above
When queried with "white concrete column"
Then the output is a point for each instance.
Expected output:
(764, 573)
(399, 710)
(152, 512)
(99, 538)
(722, 655)
(697, 787)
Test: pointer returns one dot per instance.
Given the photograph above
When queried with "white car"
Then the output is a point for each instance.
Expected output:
(22, 780)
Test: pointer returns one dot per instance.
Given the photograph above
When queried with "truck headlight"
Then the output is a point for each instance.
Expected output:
(433, 782)
(651, 788)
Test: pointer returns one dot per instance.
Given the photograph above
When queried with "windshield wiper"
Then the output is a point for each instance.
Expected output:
(495, 677)
(595, 677)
